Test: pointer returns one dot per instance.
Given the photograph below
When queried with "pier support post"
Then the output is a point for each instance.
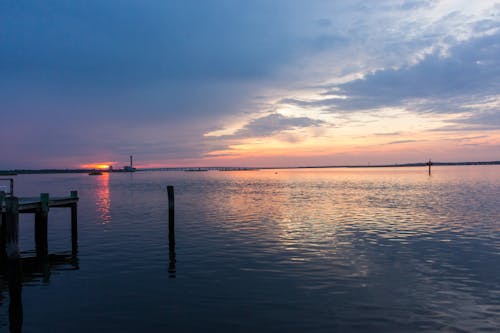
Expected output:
(74, 224)
(12, 227)
(14, 277)
(41, 225)
(3, 217)
(171, 230)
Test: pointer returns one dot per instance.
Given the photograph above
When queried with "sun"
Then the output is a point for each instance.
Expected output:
(99, 166)
(102, 166)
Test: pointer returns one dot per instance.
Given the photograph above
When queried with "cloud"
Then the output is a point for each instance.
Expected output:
(154, 76)
(470, 69)
(437, 84)
(324, 22)
(402, 141)
(271, 125)
(388, 134)
(465, 128)
(417, 4)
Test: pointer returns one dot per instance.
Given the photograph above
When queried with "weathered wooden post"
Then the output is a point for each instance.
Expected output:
(41, 225)
(14, 277)
(2, 224)
(171, 215)
(12, 227)
(429, 164)
(171, 230)
(11, 186)
(74, 223)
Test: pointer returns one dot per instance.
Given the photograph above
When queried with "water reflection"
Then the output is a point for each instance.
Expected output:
(103, 201)
(386, 239)
(172, 260)
(390, 250)
(29, 270)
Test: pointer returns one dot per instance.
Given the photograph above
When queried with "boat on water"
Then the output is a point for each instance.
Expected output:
(95, 173)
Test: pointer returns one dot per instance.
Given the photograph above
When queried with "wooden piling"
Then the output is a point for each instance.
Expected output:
(171, 215)
(74, 223)
(171, 231)
(3, 236)
(429, 164)
(14, 277)
(41, 225)
(11, 207)
(3, 223)
(12, 227)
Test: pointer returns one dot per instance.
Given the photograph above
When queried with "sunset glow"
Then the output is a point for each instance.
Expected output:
(250, 166)
(416, 79)
(99, 166)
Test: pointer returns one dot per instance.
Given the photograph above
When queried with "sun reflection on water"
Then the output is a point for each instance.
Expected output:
(103, 201)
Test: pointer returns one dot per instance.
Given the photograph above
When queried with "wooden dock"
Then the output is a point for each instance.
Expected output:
(10, 208)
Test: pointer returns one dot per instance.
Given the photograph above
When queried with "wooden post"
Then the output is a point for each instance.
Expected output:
(12, 227)
(3, 217)
(429, 164)
(171, 215)
(74, 224)
(171, 230)
(41, 225)
(11, 187)
(14, 277)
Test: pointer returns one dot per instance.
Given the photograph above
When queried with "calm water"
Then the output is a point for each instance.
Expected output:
(369, 250)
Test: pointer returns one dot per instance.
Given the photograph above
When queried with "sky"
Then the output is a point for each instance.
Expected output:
(248, 83)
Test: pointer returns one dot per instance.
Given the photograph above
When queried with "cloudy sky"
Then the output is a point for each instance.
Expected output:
(248, 83)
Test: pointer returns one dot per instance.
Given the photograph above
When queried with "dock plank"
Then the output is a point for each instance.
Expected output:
(30, 204)
(11, 206)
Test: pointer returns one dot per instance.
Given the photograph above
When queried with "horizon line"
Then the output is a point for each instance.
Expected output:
(410, 164)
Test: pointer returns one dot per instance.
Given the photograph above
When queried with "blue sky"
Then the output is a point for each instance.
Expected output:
(248, 82)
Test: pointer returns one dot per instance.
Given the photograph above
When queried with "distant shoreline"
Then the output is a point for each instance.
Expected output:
(52, 171)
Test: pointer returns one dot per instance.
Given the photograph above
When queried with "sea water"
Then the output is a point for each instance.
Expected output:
(291, 250)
